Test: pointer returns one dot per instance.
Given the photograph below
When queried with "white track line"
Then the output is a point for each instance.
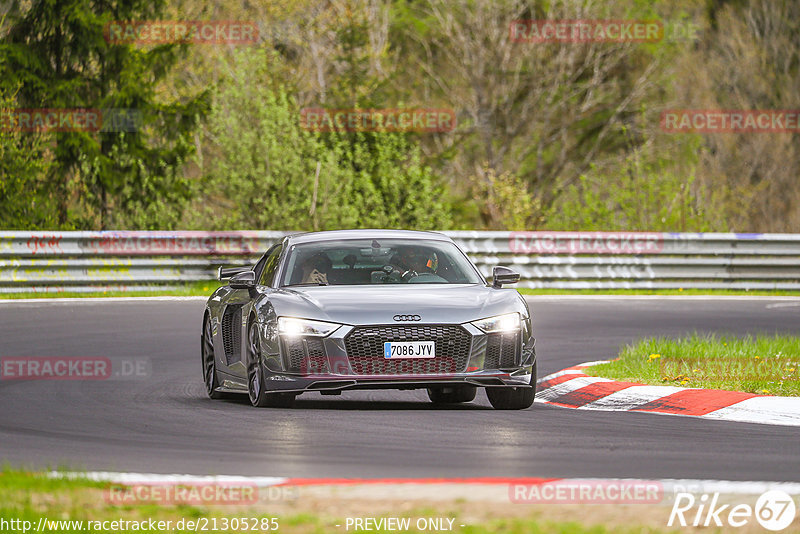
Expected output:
(784, 305)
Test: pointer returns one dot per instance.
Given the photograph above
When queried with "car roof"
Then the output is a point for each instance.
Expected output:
(312, 237)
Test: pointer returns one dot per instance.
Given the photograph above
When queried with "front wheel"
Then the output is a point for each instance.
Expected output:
(258, 394)
(209, 363)
(511, 398)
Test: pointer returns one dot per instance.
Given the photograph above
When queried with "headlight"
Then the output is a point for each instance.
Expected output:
(291, 326)
(499, 323)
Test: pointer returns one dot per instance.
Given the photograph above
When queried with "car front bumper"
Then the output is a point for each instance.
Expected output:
(349, 359)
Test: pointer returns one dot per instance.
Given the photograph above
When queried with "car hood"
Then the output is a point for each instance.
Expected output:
(434, 303)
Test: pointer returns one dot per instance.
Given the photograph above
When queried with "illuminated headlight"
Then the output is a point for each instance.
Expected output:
(290, 326)
(499, 323)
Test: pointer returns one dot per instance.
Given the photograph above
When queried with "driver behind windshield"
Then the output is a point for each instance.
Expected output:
(414, 261)
(316, 269)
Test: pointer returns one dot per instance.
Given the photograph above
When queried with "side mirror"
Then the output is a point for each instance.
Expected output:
(227, 272)
(244, 280)
(504, 275)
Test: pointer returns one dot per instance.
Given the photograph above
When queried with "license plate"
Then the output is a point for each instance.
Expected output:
(409, 349)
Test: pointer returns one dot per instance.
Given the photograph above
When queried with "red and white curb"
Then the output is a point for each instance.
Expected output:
(572, 388)
(668, 487)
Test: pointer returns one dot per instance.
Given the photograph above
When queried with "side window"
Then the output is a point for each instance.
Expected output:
(258, 268)
(270, 266)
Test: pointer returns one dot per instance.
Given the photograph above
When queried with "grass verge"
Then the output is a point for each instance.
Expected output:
(79, 505)
(766, 365)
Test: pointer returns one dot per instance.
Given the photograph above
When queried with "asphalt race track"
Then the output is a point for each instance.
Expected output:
(164, 423)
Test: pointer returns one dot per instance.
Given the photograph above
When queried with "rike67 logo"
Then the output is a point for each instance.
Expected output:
(774, 510)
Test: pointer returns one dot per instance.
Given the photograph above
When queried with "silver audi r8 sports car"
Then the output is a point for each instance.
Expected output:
(368, 309)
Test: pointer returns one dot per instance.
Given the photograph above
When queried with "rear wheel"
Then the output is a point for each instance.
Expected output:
(258, 394)
(209, 363)
(452, 394)
(513, 398)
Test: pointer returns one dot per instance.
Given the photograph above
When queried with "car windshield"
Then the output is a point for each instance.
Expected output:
(378, 261)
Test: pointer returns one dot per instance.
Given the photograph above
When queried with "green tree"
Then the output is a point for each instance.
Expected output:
(55, 53)
(264, 170)
(646, 192)
(24, 204)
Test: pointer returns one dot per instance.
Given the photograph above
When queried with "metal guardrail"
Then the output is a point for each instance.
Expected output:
(84, 261)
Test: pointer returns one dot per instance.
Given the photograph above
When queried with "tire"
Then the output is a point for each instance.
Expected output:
(513, 398)
(259, 396)
(455, 395)
(209, 362)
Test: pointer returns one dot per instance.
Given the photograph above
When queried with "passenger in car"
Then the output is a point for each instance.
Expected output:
(316, 269)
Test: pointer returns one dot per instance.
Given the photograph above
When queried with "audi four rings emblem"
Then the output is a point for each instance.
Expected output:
(407, 318)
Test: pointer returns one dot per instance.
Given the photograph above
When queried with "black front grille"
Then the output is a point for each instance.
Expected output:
(364, 347)
(305, 355)
(501, 351)
(232, 333)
